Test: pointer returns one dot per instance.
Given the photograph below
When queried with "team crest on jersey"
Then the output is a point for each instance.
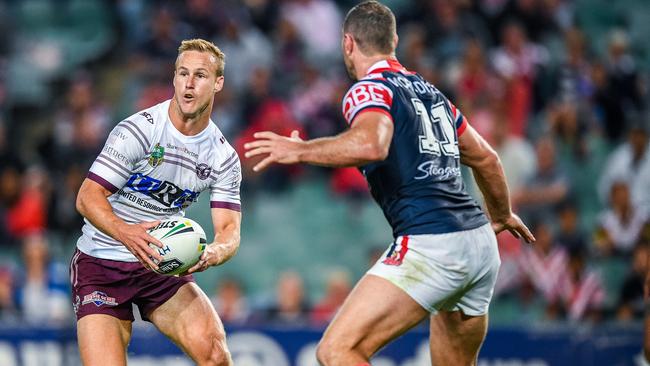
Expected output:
(203, 171)
(99, 298)
(156, 156)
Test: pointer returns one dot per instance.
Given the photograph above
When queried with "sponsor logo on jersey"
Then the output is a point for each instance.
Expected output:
(366, 94)
(116, 154)
(165, 192)
(203, 171)
(148, 116)
(157, 155)
(182, 149)
(99, 298)
(432, 169)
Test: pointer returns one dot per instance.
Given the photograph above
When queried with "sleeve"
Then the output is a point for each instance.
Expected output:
(459, 119)
(126, 145)
(367, 96)
(224, 192)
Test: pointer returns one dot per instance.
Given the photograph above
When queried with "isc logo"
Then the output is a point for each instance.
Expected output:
(366, 94)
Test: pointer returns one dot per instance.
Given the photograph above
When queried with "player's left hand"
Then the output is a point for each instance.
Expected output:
(515, 226)
(212, 256)
(280, 149)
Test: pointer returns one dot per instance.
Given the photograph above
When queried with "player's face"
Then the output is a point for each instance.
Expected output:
(196, 83)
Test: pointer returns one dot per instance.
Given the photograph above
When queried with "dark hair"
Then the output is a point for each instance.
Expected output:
(373, 27)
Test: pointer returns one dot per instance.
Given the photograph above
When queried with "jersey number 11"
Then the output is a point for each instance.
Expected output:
(439, 131)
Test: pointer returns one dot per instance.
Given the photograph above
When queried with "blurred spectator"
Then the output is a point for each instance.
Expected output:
(62, 213)
(274, 116)
(165, 34)
(517, 155)
(581, 290)
(623, 84)
(622, 224)
(8, 309)
(199, 15)
(630, 301)
(26, 213)
(80, 126)
(545, 265)
(630, 162)
(290, 306)
(517, 62)
(336, 290)
(44, 297)
(548, 187)
(318, 23)
(246, 49)
(570, 235)
(230, 302)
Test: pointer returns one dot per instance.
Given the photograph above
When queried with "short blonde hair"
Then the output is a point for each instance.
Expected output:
(202, 45)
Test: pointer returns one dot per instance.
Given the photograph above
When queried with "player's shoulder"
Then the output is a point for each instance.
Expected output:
(220, 143)
(149, 119)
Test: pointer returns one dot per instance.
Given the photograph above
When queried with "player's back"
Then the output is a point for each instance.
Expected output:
(419, 185)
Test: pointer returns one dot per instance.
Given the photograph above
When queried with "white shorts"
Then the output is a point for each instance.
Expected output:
(453, 271)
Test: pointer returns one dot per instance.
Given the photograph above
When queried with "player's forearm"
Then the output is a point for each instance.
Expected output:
(491, 181)
(227, 241)
(351, 148)
(95, 208)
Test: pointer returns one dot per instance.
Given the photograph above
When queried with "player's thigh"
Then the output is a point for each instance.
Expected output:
(189, 319)
(374, 313)
(103, 340)
(456, 338)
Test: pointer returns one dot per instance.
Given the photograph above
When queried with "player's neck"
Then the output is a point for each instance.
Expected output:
(188, 126)
(364, 64)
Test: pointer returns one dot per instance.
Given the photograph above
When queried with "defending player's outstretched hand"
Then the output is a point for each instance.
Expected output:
(515, 226)
(280, 149)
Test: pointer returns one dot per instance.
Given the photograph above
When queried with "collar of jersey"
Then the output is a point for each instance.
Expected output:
(390, 64)
(188, 139)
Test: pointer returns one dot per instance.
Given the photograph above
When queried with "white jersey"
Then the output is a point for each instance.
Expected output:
(155, 172)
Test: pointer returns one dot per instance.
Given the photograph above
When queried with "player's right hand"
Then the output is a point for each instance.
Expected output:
(515, 226)
(136, 239)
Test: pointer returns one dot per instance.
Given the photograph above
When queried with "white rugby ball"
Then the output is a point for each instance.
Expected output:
(183, 243)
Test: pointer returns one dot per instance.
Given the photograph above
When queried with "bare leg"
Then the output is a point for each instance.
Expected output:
(103, 340)
(375, 313)
(191, 322)
(456, 338)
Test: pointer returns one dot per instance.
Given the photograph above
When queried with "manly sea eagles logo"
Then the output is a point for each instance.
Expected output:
(156, 156)
(203, 171)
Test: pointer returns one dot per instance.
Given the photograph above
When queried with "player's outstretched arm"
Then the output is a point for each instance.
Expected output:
(93, 205)
(476, 153)
(366, 141)
(227, 224)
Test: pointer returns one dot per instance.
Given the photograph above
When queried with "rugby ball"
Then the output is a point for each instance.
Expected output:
(183, 243)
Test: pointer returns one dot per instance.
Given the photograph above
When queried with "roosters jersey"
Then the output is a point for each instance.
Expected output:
(419, 185)
(155, 172)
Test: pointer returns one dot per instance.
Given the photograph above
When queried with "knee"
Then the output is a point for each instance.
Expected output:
(215, 352)
(329, 349)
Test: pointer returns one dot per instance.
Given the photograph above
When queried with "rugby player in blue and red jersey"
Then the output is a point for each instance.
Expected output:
(409, 141)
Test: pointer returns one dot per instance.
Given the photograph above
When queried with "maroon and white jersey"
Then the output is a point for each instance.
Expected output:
(155, 172)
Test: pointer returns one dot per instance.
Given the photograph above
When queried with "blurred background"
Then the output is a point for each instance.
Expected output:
(558, 87)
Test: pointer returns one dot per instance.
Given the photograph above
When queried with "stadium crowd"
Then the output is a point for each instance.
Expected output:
(559, 88)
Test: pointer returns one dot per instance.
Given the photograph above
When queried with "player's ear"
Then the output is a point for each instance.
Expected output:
(348, 44)
(395, 40)
(218, 84)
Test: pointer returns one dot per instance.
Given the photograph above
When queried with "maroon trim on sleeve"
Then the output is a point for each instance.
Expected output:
(102, 182)
(226, 205)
